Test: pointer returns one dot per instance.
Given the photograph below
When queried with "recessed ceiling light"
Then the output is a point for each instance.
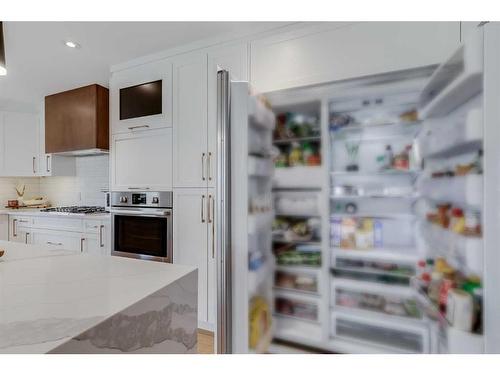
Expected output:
(71, 44)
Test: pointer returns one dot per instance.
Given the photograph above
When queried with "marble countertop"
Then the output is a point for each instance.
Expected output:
(37, 212)
(48, 297)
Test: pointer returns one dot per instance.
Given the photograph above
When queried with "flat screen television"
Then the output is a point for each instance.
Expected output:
(141, 100)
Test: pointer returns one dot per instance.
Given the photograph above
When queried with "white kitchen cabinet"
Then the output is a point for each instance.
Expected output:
(142, 160)
(19, 228)
(50, 164)
(192, 160)
(97, 237)
(191, 241)
(57, 239)
(20, 146)
(150, 72)
(233, 58)
(339, 50)
(467, 28)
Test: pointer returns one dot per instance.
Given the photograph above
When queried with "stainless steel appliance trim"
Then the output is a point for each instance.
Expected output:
(223, 193)
(164, 199)
(144, 212)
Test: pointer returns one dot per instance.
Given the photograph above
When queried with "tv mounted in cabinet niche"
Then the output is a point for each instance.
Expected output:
(141, 100)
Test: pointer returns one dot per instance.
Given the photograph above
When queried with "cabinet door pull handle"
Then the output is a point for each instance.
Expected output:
(212, 221)
(34, 160)
(209, 214)
(203, 166)
(26, 238)
(14, 228)
(48, 161)
(138, 188)
(203, 208)
(138, 127)
(101, 243)
(81, 244)
(209, 166)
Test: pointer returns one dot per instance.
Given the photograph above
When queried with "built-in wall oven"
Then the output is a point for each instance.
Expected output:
(141, 225)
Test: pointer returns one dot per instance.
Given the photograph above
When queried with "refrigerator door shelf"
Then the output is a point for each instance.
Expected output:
(443, 138)
(455, 81)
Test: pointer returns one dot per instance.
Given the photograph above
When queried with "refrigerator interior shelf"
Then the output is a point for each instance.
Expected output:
(281, 240)
(460, 190)
(389, 128)
(299, 292)
(379, 196)
(443, 138)
(300, 177)
(455, 81)
(388, 215)
(401, 255)
(462, 252)
(370, 271)
(371, 287)
(260, 116)
(363, 174)
(315, 139)
(376, 317)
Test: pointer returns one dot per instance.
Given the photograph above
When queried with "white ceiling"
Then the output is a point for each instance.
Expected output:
(39, 64)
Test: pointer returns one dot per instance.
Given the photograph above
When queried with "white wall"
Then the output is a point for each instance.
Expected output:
(84, 189)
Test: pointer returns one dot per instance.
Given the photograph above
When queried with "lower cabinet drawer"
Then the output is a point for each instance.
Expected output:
(59, 223)
(58, 240)
(397, 338)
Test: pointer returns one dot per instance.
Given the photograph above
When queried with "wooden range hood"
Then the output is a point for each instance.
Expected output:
(77, 121)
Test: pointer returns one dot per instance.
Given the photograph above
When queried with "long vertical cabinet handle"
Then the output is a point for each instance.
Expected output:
(26, 238)
(203, 208)
(203, 166)
(101, 243)
(34, 160)
(209, 166)
(14, 228)
(81, 244)
(47, 163)
(211, 201)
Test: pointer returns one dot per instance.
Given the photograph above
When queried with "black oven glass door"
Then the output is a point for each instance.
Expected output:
(141, 235)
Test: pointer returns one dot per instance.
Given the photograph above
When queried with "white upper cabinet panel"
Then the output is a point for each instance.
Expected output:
(328, 52)
(191, 159)
(154, 71)
(142, 160)
(20, 148)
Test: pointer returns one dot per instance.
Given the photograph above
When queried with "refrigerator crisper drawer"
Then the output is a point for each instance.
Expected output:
(298, 307)
(384, 305)
(298, 177)
(300, 281)
(396, 338)
(297, 203)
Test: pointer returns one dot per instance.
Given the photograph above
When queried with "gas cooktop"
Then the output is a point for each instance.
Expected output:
(82, 210)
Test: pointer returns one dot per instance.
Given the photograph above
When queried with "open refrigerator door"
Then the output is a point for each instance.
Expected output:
(252, 124)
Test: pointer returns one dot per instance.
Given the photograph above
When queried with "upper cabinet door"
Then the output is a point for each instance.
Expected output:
(20, 144)
(233, 58)
(142, 160)
(141, 91)
(339, 50)
(191, 159)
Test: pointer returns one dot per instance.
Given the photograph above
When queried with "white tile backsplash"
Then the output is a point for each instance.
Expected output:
(8, 188)
(84, 189)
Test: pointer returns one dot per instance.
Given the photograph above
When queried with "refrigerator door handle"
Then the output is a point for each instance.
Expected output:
(223, 215)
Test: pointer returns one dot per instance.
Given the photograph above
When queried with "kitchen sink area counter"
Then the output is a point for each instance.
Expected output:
(57, 301)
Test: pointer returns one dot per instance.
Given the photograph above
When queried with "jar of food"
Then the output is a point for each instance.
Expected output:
(435, 285)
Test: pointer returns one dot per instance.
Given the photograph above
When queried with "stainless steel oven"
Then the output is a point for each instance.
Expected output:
(141, 225)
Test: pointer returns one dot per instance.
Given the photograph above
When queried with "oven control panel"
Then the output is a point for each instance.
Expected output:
(160, 199)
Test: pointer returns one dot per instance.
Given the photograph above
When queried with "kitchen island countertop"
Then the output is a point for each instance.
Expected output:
(57, 301)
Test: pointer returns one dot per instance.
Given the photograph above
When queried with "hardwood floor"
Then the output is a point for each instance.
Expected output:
(205, 342)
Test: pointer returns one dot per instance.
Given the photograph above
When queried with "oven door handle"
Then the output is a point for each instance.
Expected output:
(165, 213)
